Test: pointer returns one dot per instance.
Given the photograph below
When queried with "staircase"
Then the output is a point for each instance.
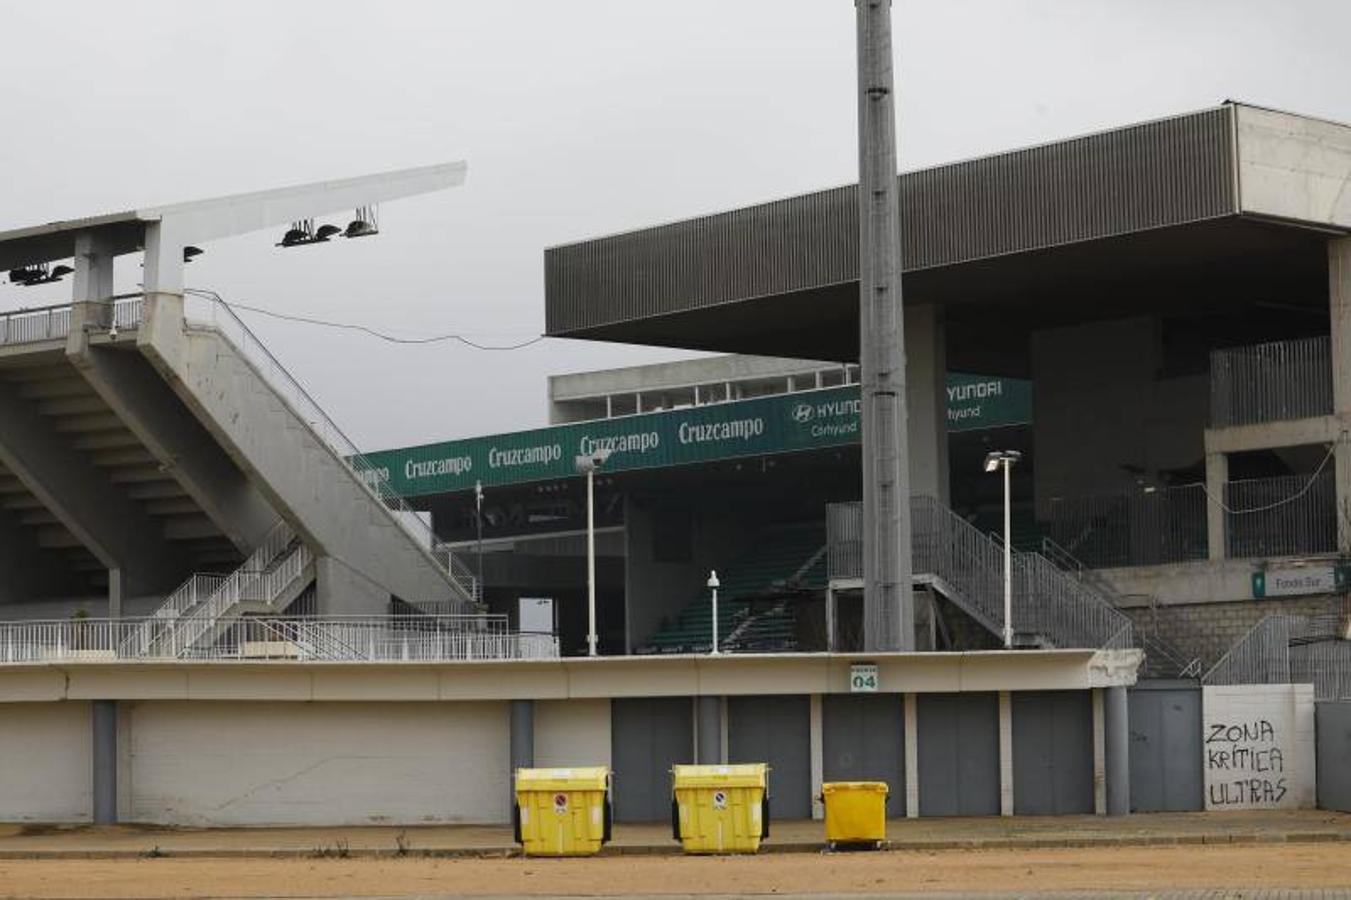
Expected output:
(205, 606)
(1162, 659)
(965, 565)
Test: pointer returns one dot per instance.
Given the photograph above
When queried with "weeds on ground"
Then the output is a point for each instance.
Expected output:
(340, 850)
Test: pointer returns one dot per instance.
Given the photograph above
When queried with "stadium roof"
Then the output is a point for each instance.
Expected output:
(1203, 210)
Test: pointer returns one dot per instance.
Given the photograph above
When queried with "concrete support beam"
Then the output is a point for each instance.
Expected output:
(1116, 723)
(817, 753)
(1099, 754)
(340, 590)
(521, 752)
(911, 756)
(152, 411)
(91, 288)
(1005, 753)
(104, 727)
(708, 730)
(1217, 476)
(926, 362)
(113, 527)
(114, 593)
(1339, 309)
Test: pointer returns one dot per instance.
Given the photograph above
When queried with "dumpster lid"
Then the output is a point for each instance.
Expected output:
(738, 775)
(858, 787)
(576, 778)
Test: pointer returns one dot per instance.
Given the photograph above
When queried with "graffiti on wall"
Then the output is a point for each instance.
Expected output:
(1257, 746)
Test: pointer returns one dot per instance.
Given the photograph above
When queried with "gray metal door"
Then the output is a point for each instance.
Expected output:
(1332, 721)
(958, 754)
(1166, 760)
(647, 737)
(775, 730)
(863, 739)
(1052, 752)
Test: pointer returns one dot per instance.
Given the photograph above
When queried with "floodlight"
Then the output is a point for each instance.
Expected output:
(364, 225)
(299, 233)
(38, 273)
(190, 251)
(325, 232)
(995, 457)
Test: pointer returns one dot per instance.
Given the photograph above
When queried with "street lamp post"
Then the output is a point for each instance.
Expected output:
(478, 505)
(995, 460)
(713, 585)
(587, 464)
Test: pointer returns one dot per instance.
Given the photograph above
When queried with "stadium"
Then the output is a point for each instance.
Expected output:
(219, 611)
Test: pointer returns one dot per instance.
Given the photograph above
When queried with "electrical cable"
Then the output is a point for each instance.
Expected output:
(348, 326)
(1332, 448)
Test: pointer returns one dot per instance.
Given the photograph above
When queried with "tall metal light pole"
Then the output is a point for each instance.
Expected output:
(994, 461)
(888, 589)
(587, 465)
(478, 505)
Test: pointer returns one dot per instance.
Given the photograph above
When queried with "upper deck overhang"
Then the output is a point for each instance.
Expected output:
(1202, 211)
(205, 220)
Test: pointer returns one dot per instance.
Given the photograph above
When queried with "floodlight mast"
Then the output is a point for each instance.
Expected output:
(994, 461)
(888, 589)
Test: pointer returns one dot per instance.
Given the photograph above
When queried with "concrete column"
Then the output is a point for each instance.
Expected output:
(105, 761)
(114, 593)
(1099, 755)
(926, 363)
(1217, 476)
(817, 750)
(911, 756)
(521, 752)
(91, 289)
(1339, 310)
(708, 730)
(1005, 753)
(1116, 724)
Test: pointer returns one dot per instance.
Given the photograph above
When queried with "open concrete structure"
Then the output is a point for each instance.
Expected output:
(149, 437)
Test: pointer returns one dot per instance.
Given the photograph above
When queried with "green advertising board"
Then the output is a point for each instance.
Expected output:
(782, 423)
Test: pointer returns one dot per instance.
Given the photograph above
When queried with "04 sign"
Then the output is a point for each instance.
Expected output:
(863, 678)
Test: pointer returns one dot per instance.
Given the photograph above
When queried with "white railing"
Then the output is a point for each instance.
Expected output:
(340, 639)
(205, 309)
(1291, 649)
(25, 326)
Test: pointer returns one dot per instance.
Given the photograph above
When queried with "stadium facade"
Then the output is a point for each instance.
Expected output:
(1155, 315)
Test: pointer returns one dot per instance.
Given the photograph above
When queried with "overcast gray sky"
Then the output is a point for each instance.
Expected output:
(577, 118)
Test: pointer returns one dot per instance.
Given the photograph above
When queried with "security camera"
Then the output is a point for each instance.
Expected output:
(112, 333)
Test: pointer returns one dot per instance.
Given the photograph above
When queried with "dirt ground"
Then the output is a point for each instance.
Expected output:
(1312, 865)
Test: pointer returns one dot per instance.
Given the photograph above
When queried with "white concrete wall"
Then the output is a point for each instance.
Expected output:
(572, 733)
(1258, 742)
(46, 762)
(1293, 167)
(236, 764)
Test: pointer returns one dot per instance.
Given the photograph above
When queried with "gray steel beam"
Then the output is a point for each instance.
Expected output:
(104, 726)
(708, 713)
(1116, 750)
(888, 601)
(114, 527)
(521, 753)
(152, 411)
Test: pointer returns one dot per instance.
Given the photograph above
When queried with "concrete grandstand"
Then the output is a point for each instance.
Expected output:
(1156, 316)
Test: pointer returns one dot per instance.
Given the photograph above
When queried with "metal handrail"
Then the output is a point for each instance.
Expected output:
(330, 639)
(1290, 649)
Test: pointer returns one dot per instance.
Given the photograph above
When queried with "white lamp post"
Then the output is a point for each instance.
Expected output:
(995, 460)
(587, 465)
(713, 584)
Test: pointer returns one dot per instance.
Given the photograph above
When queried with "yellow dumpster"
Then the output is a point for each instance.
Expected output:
(562, 812)
(720, 809)
(856, 812)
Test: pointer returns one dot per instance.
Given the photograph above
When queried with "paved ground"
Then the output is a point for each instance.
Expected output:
(1218, 870)
(1303, 826)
